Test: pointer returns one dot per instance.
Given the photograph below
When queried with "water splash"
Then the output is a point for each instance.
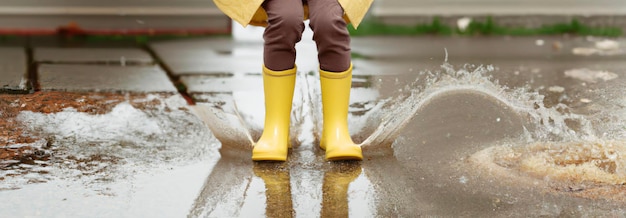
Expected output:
(543, 123)
(386, 118)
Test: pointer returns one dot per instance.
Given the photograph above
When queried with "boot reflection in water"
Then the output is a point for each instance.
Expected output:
(277, 188)
(335, 189)
(284, 29)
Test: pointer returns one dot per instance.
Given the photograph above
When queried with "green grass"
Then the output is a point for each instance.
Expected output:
(488, 27)
(5, 38)
(356, 55)
(377, 28)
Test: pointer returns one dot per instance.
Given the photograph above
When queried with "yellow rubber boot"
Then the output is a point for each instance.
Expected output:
(335, 99)
(278, 87)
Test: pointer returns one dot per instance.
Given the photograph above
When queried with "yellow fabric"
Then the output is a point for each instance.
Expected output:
(250, 12)
(355, 10)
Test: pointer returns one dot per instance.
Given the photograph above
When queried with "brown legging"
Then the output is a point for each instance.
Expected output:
(285, 30)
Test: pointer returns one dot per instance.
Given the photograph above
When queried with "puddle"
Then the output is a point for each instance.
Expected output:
(590, 76)
(453, 139)
(459, 132)
(600, 47)
(135, 153)
(584, 163)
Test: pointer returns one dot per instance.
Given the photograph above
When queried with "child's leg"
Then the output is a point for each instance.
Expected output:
(279, 76)
(330, 34)
(283, 32)
(333, 45)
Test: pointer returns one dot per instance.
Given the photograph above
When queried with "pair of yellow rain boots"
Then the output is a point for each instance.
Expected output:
(279, 87)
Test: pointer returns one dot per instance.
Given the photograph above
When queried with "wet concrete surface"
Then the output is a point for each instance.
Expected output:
(66, 77)
(443, 135)
(105, 56)
(13, 74)
(422, 161)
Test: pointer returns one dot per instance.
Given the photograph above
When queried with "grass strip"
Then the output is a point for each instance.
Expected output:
(488, 27)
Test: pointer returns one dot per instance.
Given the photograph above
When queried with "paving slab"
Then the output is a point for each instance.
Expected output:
(209, 84)
(220, 44)
(215, 65)
(111, 56)
(210, 56)
(104, 78)
(13, 70)
(218, 55)
(500, 47)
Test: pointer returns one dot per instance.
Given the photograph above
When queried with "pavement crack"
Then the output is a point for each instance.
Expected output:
(175, 79)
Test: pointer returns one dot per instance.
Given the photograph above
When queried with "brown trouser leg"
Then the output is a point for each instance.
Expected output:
(285, 30)
(330, 35)
(282, 33)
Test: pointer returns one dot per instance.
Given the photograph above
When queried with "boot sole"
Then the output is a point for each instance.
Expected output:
(268, 157)
(349, 153)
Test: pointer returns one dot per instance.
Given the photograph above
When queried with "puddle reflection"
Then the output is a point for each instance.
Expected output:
(224, 190)
(230, 185)
(275, 175)
(337, 180)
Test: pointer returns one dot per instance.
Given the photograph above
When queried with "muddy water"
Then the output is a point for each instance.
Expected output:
(447, 161)
(490, 138)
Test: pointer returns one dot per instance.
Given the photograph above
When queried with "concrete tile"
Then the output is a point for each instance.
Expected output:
(456, 47)
(386, 67)
(210, 56)
(109, 56)
(210, 84)
(215, 65)
(220, 44)
(13, 70)
(219, 56)
(104, 78)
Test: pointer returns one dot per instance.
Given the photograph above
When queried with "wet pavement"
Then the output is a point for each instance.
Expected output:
(473, 126)
(14, 77)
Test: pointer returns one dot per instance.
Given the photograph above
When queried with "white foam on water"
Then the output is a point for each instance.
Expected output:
(99, 149)
(601, 47)
(69, 123)
(591, 76)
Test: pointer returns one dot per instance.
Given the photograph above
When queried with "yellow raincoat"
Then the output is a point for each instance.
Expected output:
(250, 11)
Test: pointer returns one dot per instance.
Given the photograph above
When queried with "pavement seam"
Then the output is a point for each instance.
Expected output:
(31, 69)
(175, 79)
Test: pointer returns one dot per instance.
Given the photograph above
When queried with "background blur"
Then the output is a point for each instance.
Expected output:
(201, 16)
